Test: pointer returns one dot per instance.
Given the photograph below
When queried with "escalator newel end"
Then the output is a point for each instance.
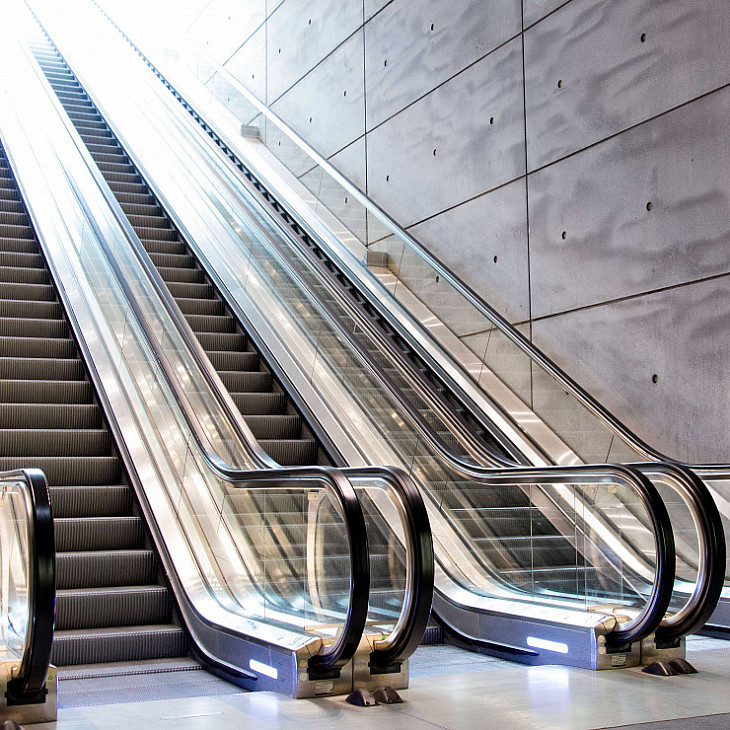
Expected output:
(361, 698)
(660, 669)
(386, 695)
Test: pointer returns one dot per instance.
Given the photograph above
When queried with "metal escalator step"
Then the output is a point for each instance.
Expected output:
(19, 260)
(110, 168)
(275, 427)
(126, 187)
(45, 391)
(110, 500)
(159, 234)
(201, 306)
(36, 292)
(260, 403)
(164, 247)
(109, 156)
(121, 178)
(76, 534)
(115, 606)
(105, 148)
(50, 415)
(174, 274)
(94, 135)
(8, 230)
(246, 382)
(149, 221)
(223, 361)
(69, 470)
(21, 245)
(18, 326)
(172, 260)
(13, 206)
(13, 218)
(101, 568)
(141, 208)
(40, 368)
(23, 275)
(53, 347)
(133, 643)
(211, 323)
(54, 442)
(134, 199)
(190, 290)
(291, 452)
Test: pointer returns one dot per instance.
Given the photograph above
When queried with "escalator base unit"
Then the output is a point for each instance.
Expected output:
(45, 711)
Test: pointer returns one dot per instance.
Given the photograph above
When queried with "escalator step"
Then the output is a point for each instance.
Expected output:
(40, 368)
(117, 606)
(134, 643)
(54, 442)
(291, 452)
(211, 323)
(69, 470)
(22, 275)
(37, 292)
(234, 360)
(31, 326)
(90, 501)
(45, 391)
(222, 341)
(37, 347)
(105, 568)
(50, 415)
(275, 427)
(98, 533)
(246, 382)
(201, 306)
(21, 245)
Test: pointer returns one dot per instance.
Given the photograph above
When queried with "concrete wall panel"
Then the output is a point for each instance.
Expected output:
(327, 106)
(609, 78)
(678, 166)
(471, 155)
(469, 237)
(303, 32)
(681, 336)
(408, 54)
(248, 64)
(534, 10)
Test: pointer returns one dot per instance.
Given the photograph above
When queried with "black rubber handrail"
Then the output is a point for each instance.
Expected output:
(656, 606)
(420, 567)
(29, 684)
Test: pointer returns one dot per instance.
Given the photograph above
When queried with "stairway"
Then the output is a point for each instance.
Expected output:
(111, 604)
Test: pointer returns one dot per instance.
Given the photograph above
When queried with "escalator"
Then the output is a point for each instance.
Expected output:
(112, 604)
(523, 523)
(270, 566)
(523, 546)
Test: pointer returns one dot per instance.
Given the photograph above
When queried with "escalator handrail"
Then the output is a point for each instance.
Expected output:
(692, 490)
(406, 637)
(711, 548)
(710, 471)
(656, 606)
(28, 685)
(418, 548)
(268, 472)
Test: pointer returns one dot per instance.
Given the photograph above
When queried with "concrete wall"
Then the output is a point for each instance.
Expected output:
(569, 160)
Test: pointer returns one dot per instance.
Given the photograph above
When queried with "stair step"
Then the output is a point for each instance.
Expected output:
(91, 501)
(74, 534)
(102, 568)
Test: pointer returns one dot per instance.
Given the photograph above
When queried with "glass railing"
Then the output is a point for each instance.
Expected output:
(27, 587)
(211, 513)
(598, 562)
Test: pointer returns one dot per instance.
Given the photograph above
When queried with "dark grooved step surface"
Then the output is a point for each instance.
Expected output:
(272, 418)
(110, 605)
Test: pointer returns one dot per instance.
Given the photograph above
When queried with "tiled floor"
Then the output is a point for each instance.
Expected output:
(455, 689)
